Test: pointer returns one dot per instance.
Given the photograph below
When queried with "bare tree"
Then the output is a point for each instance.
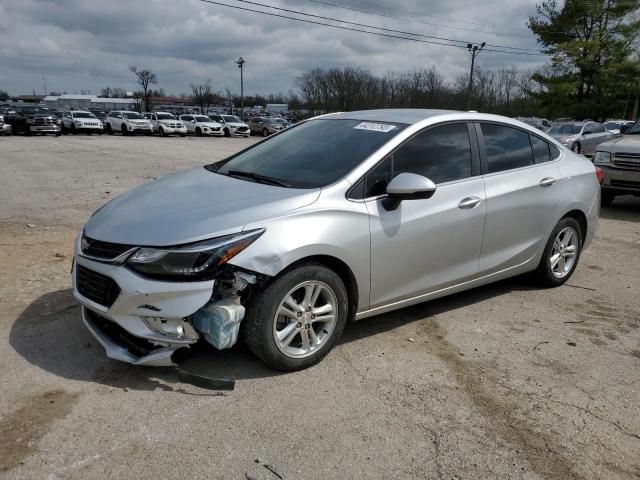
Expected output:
(201, 94)
(138, 100)
(145, 78)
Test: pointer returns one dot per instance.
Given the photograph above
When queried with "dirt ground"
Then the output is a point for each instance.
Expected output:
(505, 381)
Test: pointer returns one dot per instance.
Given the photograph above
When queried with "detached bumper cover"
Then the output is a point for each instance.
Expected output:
(148, 319)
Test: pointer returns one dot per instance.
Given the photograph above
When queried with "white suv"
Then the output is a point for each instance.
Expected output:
(202, 125)
(231, 125)
(166, 123)
(128, 123)
(80, 121)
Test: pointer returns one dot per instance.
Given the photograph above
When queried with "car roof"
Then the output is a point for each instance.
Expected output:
(395, 115)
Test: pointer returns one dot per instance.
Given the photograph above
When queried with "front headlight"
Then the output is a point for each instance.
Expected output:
(564, 140)
(602, 158)
(195, 262)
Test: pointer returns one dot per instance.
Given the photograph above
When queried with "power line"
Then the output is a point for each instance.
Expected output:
(490, 32)
(496, 48)
(340, 27)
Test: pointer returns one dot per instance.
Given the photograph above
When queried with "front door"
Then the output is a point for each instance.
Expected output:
(429, 244)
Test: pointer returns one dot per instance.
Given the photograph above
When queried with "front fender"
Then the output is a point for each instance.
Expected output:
(339, 233)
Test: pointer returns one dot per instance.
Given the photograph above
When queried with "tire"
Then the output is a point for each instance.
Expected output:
(606, 198)
(265, 133)
(198, 132)
(183, 134)
(261, 324)
(227, 133)
(109, 131)
(575, 148)
(65, 130)
(546, 274)
(58, 134)
(162, 133)
(123, 129)
(74, 130)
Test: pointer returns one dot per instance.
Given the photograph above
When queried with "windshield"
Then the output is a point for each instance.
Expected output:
(132, 115)
(35, 109)
(83, 115)
(281, 120)
(635, 130)
(613, 125)
(202, 118)
(165, 116)
(567, 129)
(231, 118)
(315, 153)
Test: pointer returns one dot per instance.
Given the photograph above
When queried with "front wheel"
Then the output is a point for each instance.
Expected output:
(198, 132)
(124, 130)
(109, 131)
(265, 133)
(575, 148)
(561, 254)
(297, 319)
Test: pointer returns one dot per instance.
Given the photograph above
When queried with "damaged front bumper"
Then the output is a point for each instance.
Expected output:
(135, 319)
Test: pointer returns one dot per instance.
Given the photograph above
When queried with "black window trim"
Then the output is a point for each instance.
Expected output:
(484, 164)
(475, 160)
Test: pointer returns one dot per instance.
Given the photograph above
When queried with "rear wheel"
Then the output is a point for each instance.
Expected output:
(606, 198)
(297, 319)
(561, 254)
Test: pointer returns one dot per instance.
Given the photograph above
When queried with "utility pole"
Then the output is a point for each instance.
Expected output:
(474, 50)
(44, 81)
(241, 61)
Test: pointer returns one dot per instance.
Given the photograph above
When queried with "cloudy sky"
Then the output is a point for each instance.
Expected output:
(89, 44)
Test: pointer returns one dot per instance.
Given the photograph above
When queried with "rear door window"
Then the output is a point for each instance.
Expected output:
(506, 148)
(442, 154)
(541, 150)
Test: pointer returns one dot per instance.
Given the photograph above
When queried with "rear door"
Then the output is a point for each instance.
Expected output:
(524, 191)
(428, 244)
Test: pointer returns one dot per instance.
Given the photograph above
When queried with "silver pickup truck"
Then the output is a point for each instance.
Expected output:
(619, 159)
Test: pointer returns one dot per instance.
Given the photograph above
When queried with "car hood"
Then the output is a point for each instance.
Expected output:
(189, 206)
(626, 143)
(236, 124)
(209, 124)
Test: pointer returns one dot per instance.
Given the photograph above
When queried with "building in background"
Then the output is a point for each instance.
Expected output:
(88, 102)
(277, 108)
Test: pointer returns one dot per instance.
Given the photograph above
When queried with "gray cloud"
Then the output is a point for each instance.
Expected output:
(84, 44)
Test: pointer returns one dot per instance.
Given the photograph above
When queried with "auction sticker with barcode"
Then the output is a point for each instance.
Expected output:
(375, 127)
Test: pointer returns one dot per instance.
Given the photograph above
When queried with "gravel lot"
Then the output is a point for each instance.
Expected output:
(504, 381)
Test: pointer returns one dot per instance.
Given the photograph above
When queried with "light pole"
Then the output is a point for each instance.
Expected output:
(474, 50)
(241, 63)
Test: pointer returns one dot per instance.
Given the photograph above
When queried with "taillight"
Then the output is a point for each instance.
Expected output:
(599, 175)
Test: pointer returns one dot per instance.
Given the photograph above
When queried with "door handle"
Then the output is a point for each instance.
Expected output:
(469, 202)
(547, 182)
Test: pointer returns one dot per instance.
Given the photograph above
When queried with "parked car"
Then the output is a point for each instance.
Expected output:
(343, 217)
(100, 115)
(617, 127)
(201, 125)
(30, 119)
(539, 123)
(80, 121)
(231, 125)
(264, 126)
(127, 123)
(166, 123)
(580, 137)
(5, 128)
(619, 159)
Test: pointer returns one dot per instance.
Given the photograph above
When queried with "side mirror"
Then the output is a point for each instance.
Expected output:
(193, 121)
(408, 186)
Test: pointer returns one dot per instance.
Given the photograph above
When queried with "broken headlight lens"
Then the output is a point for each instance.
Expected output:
(196, 261)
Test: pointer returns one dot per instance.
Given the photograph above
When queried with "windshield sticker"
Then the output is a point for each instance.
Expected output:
(375, 127)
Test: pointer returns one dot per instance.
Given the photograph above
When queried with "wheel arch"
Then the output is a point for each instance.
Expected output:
(581, 218)
(341, 269)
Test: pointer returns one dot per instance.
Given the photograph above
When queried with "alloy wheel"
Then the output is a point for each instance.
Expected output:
(564, 252)
(305, 319)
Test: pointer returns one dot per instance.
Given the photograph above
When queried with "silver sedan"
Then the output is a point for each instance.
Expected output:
(581, 137)
(339, 218)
